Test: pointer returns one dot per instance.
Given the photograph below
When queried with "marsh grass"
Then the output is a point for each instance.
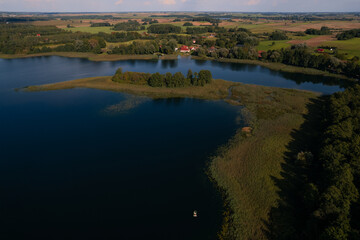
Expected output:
(218, 89)
(126, 105)
(245, 167)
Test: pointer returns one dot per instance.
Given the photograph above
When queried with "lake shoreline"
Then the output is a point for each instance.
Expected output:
(113, 57)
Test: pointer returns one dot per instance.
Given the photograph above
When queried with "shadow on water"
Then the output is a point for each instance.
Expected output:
(169, 63)
(288, 220)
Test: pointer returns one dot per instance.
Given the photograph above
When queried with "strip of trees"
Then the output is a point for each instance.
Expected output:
(102, 24)
(320, 199)
(164, 29)
(323, 31)
(164, 80)
(130, 25)
(348, 34)
(298, 55)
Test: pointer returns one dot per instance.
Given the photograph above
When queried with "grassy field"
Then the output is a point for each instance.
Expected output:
(268, 45)
(349, 47)
(93, 30)
(244, 168)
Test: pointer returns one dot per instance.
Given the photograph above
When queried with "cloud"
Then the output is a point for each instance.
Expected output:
(252, 2)
(119, 2)
(168, 2)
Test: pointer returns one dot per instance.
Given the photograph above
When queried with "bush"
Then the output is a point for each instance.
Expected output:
(131, 25)
(278, 35)
(187, 24)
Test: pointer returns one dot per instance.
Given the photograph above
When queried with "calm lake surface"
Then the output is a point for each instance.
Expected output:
(74, 164)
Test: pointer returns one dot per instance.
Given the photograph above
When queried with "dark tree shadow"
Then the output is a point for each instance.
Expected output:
(290, 218)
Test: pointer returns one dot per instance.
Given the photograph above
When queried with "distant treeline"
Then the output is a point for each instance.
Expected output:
(130, 25)
(323, 31)
(324, 184)
(295, 17)
(164, 80)
(348, 34)
(23, 19)
(171, 16)
(100, 17)
(105, 24)
(164, 29)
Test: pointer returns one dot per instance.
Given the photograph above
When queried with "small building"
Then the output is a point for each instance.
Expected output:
(38, 35)
(320, 50)
(194, 41)
(212, 49)
(184, 49)
(260, 53)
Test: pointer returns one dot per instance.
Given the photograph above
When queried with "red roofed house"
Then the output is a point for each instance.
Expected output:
(184, 49)
(260, 54)
(38, 35)
(212, 49)
(320, 50)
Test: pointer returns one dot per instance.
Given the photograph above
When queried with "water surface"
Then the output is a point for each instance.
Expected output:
(70, 169)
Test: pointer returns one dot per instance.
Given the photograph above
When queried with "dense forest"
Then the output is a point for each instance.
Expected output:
(320, 191)
(164, 80)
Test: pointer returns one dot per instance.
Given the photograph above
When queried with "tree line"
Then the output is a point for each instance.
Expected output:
(298, 55)
(353, 33)
(164, 29)
(324, 202)
(130, 25)
(323, 31)
(164, 80)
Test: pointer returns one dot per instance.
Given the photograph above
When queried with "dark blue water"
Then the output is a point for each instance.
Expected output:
(73, 68)
(71, 170)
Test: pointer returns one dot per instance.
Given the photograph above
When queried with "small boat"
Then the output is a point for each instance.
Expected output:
(195, 214)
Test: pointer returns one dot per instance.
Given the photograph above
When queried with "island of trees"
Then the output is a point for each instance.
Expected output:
(164, 80)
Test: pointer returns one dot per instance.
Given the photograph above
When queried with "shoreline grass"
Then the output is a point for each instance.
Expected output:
(218, 89)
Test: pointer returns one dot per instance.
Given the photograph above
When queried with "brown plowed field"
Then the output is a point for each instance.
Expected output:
(314, 42)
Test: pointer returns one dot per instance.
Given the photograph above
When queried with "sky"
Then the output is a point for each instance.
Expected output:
(180, 5)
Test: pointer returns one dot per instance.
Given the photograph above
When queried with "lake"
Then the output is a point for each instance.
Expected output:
(85, 163)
